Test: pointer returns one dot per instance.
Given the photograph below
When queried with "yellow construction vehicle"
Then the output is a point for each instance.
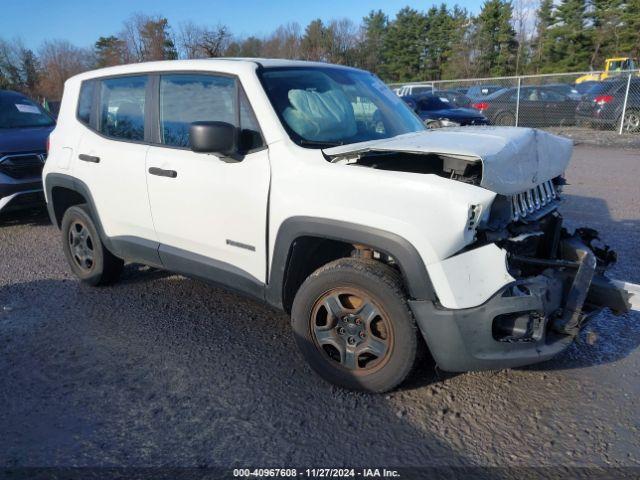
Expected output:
(612, 66)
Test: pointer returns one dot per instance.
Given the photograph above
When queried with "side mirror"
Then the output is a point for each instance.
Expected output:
(213, 137)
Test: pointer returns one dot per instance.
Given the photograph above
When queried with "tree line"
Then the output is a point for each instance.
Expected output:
(507, 37)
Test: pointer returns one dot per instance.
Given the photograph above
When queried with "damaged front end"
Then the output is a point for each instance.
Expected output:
(558, 283)
(524, 285)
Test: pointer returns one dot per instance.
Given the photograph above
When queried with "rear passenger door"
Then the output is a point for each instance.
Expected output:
(111, 161)
(210, 213)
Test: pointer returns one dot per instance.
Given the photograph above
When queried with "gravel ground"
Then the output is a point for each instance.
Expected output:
(163, 370)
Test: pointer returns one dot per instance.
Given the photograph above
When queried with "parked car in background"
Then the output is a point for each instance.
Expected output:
(459, 99)
(566, 89)
(24, 129)
(481, 91)
(438, 111)
(417, 89)
(584, 87)
(539, 107)
(602, 106)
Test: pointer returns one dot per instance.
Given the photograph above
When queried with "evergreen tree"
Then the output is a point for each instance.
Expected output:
(404, 46)
(458, 62)
(606, 21)
(572, 37)
(313, 45)
(496, 39)
(374, 30)
(30, 71)
(156, 41)
(110, 51)
(439, 28)
(630, 31)
(543, 41)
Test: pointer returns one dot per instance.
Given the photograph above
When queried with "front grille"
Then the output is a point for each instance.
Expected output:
(535, 202)
(22, 165)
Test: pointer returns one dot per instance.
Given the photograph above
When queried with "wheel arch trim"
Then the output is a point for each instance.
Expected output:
(413, 269)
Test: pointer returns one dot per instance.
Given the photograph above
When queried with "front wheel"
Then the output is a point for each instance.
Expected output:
(89, 259)
(352, 324)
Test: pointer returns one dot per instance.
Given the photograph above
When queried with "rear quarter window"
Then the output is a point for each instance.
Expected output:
(85, 101)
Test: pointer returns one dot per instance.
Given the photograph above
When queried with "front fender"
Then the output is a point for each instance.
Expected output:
(405, 254)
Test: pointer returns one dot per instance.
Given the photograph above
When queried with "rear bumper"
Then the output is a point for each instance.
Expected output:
(528, 321)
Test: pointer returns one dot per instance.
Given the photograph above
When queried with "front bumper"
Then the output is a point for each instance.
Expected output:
(528, 321)
(16, 194)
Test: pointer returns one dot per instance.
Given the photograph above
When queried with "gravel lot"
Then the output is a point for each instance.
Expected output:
(163, 370)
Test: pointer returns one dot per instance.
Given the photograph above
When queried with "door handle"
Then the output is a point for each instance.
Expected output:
(89, 158)
(163, 173)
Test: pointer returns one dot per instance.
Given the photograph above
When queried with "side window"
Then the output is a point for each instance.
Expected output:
(551, 96)
(187, 98)
(85, 101)
(250, 137)
(122, 107)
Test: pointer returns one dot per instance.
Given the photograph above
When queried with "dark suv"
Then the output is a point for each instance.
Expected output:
(24, 129)
(602, 105)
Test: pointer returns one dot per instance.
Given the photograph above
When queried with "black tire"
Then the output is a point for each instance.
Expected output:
(392, 332)
(505, 119)
(89, 259)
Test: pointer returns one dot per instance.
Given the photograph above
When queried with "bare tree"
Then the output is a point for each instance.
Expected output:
(148, 38)
(342, 38)
(196, 41)
(524, 15)
(60, 60)
(284, 42)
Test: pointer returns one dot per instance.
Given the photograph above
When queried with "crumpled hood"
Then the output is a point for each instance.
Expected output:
(513, 159)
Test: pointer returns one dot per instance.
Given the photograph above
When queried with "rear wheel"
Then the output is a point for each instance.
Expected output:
(631, 121)
(505, 119)
(90, 261)
(352, 324)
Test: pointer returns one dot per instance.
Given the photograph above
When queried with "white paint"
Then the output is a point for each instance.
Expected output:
(471, 278)
(631, 289)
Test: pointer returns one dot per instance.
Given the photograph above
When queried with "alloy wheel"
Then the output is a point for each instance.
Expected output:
(352, 330)
(81, 245)
(631, 122)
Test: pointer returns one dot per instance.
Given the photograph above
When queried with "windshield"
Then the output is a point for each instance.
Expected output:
(323, 107)
(17, 111)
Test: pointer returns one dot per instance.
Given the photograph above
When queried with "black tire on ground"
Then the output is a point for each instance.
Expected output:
(89, 259)
(582, 123)
(505, 119)
(353, 326)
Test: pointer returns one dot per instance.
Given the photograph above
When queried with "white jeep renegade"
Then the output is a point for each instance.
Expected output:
(316, 189)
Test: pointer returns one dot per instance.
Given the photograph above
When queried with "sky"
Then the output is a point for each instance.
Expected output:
(83, 21)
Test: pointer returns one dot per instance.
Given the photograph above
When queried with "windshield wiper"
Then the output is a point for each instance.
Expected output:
(321, 144)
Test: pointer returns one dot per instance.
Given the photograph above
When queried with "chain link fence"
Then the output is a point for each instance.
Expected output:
(585, 100)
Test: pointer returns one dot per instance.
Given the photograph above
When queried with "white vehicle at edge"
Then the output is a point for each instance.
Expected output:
(316, 189)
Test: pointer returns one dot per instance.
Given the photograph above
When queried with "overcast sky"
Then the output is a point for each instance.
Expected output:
(83, 21)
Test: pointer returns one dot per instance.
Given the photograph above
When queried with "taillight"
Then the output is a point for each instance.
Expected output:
(48, 143)
(602, 99)
(480, 106)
